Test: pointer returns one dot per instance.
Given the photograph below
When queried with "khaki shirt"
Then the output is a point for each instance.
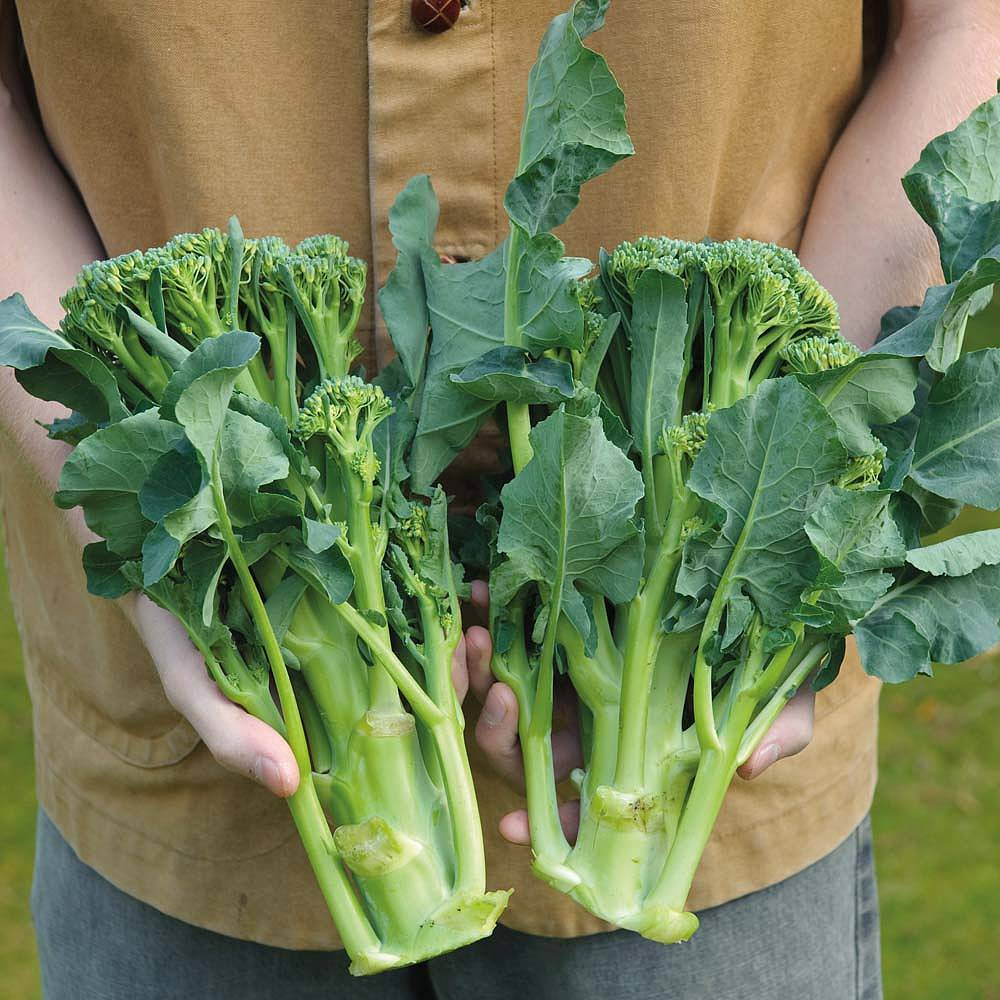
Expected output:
(309, 116)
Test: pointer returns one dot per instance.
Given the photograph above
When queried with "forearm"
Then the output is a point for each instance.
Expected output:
(862, 239)
(47, 237)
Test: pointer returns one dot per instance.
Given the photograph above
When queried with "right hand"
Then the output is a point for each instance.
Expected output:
(237, 740)
(496, 730)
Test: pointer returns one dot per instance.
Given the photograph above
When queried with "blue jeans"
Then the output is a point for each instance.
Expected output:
(814, 936)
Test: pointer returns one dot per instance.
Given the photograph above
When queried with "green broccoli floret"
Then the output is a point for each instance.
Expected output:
(686, 438)
(818, 353)
(328, 289)
(324, 245)
(863, 471)
(95, 321)
(193, 293)
(760, 300)
(628, 261)
(345, 411)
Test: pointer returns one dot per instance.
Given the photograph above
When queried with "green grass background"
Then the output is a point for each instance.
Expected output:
(936, 820)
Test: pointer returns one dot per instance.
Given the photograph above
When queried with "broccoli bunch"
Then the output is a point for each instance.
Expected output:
(243, 479)
(749, 304)
(144, 311)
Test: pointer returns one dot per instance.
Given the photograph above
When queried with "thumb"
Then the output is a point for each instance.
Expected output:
(237, 740)
(790, 733)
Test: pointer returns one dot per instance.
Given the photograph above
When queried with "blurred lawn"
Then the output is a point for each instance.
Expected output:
(936, 818)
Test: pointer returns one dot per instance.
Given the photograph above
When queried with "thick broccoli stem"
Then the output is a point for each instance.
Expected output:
(518, 414)
(549, 843)
(353, 925)
(366, 566)
(720, 394)
(643, 638)
(624, 830)
(377, 791)
(332, 667)
(446, 732)
(666, 919)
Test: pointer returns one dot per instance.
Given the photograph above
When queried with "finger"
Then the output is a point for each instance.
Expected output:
(790, 733)
(480, 594)
(478, 652)
(475, 611)
(496, 734)
(567, 752)
(460, 669)
(237, 740)
(515, 828)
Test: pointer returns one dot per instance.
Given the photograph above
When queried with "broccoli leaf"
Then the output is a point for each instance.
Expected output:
(958, 556)
(873, 390)
(49, 367)
(106, 473)
(659, 334)
(574, 123)
(569, 520)
(507, 373)
(955, 187)
(853, 531)
(764, 462)
(957, 448)
(925, 619)
(413, 218)
(104, 571)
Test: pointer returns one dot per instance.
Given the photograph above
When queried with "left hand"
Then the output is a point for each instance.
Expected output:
(496, 729)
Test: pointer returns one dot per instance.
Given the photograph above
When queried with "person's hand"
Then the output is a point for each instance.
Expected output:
(496, 731)
(237, 740)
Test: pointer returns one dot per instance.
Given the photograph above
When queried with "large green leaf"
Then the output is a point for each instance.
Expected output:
(106, 472)
(937, 331)
(49, 367)
(549, 314)
(222, 358)
(199, 391)
(659, 340)
(957, 448)
(508, 374)
(574, 122)
(104, 572)
(250, 456)
(955, 186)
(465, 303)
(959, 555)
(853, 532)
(931, 619)
(413, 219)
(568, 521)
(873, 390)
(763, 466)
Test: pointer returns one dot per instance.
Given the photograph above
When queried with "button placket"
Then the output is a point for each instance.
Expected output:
(431, 112)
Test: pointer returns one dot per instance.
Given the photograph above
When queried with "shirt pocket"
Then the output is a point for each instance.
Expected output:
(80, 653)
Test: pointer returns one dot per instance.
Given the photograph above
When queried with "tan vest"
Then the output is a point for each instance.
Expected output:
(308, 116)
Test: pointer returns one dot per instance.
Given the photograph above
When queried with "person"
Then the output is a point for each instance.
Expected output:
(159, 873)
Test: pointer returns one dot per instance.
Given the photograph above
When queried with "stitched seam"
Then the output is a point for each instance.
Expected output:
(857, 913)
(493, 81)
(67, 790)
(171, 736)
(800, 803)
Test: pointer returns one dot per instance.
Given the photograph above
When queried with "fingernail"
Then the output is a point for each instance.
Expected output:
(768, 756)
(267, 773)
(494, 711)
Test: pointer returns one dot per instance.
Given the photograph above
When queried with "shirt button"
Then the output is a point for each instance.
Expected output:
(435, 15)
